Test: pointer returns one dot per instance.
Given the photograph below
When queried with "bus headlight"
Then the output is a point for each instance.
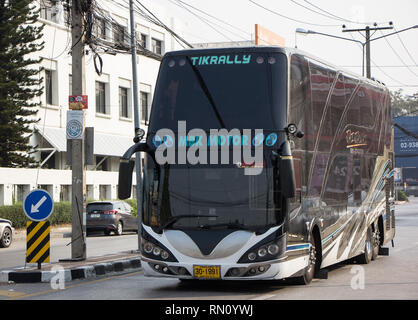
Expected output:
(152, 249)
(148, 247)
(262, 252)
(156, 251)
(273, 249)
(267, 249)
(252, 256)
(164, 255)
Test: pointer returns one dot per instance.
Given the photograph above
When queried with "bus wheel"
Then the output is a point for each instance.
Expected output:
(366, 257)
(307, 277)
(375, 242)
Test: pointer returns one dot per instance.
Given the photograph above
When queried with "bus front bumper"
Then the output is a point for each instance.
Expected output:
(277, 269)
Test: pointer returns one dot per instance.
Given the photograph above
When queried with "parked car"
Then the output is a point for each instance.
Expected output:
(110, 216)
(6, 233)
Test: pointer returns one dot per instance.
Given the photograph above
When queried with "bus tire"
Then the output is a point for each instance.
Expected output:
(375, 242)
(366, 257)
(309, 273)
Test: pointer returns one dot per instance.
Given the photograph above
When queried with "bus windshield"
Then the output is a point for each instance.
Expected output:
(243, 90)
(237, 90)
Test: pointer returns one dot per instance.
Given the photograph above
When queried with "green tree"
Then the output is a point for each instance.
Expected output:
(403, 105)
(20, 83)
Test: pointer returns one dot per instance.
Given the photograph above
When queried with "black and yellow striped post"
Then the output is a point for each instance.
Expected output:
(37, 242)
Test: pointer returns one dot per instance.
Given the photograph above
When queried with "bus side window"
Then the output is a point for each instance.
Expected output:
(296, 201)
(299, 92)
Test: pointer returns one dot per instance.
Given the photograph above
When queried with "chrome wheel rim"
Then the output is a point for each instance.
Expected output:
(7, 238)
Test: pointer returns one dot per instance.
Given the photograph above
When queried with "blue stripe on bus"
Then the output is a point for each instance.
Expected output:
(298, 246)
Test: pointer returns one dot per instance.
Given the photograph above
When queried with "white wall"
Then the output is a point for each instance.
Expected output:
(55, 179)
(117, 70)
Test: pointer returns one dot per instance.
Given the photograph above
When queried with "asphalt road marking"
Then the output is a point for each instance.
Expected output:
(72, 286)
(11, 293)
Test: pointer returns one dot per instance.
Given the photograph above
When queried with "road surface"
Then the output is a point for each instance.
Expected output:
(388, 277)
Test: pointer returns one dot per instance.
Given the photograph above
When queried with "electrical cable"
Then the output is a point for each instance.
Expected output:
(407, 51)
(292, 19)
(213, 17)
(339, 18)
(399, 57)
(205, 21)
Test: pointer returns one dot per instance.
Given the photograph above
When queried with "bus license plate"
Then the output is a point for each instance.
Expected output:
(207, 272)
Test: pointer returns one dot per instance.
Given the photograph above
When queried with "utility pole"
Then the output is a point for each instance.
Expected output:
(368, 67)
(367, 44)
(78, 198)
(138, 166)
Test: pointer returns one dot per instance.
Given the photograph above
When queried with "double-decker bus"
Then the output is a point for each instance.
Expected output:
(321, 189)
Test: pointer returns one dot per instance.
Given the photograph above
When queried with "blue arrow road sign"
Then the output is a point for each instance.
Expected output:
(38, 205)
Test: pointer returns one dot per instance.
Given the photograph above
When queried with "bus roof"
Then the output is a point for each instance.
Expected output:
(273, 49)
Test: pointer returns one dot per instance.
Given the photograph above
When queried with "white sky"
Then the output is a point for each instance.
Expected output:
(243, 14)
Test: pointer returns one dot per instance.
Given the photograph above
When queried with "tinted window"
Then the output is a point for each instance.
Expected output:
(299, 96)
(105, 206)
(241, 93)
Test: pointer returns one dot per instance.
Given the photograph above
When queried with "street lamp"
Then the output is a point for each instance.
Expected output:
(306, 32)
(363, 44)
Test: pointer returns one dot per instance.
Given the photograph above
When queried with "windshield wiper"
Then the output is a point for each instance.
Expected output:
(173, 220)
(207, 92)
(229, 225)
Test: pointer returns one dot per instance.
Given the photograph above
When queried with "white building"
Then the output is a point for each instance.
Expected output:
(110, 102)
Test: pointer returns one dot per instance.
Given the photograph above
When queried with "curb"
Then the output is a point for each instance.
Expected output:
(83, 272)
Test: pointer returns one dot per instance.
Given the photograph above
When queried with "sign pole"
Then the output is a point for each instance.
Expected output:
(38, 206)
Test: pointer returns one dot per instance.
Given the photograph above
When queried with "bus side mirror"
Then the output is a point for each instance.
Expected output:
(287, 172)
(126, 168)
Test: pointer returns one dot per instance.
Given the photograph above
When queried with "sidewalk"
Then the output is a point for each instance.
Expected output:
(71, 270)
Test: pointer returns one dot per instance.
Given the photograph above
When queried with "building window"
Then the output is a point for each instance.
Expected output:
(20, 191)
(48, 86)
(105, 192)
(51, 87)
(119, 34)
(142, 39)
(101, 97)
(100, 28)
(55, 11)
(66, 192)
(102, 163)
(123, 103)
(157, 46)
(144, 106)
(50, 163)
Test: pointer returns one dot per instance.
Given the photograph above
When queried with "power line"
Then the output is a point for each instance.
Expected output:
(399, 57)
(381, 66)
(375, 65)
(337, 17)
(292, 19)
(407, 51)
(201, 19)
(322, 14)
(215, 18)
(176, 36)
